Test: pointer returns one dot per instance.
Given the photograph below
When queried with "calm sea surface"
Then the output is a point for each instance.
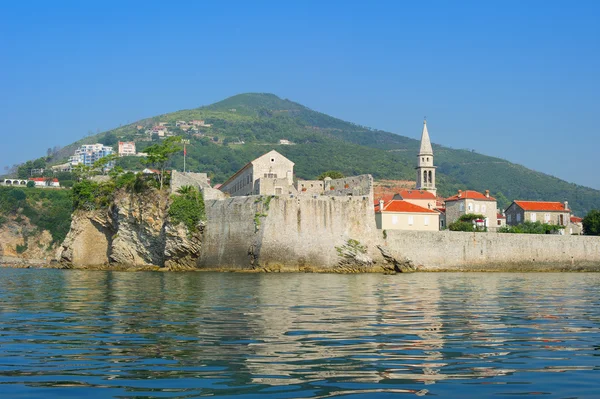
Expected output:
(186, 335)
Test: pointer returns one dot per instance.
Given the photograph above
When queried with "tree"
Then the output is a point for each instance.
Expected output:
(334, 174)
(30, 184)
(591, 223)
(466, 223)
(160, 154)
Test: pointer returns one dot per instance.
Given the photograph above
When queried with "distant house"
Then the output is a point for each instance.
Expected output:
(285, 142)
(472, 202)
(398, 214)
(269, 174)
(126, 148)
(148, 171)
(538, 211)
(501, 220)
(45, 182)
(576, 226)
(87, 154)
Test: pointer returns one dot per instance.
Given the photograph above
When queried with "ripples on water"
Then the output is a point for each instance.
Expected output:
(184, 335)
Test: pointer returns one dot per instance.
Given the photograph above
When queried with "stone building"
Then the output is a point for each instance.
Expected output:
(576, 226)
(269, 174)
(425, 168)
(402, 215)
(472, 202)
(538, 211)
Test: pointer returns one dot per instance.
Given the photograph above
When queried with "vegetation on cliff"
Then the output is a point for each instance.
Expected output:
(467, 223)
(187, 207)
(46, 209)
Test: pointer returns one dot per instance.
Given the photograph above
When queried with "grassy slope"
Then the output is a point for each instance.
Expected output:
(326, 143)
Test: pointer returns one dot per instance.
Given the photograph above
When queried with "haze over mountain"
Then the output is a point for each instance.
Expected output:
(322, 142)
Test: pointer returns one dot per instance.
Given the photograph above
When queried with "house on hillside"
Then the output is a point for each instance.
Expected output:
(45, 181)
(472, 202)
(396, 214)
(126, 148)
(538, 211)
(269, 174)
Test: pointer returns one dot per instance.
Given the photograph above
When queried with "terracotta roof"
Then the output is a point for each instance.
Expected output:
(385, 198)
(416, 194)
(470, 194)
(575, 219)
(541, 206)
(55, 180)
(403, 206)
(500, 216)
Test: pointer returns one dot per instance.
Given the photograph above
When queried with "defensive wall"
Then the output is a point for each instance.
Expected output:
(302, 233)
(460, 251)
(283, 233)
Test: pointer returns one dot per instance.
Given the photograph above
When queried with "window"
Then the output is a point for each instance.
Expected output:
(518, 217)
(483, 208)
(426, 221)
(394, 219)
(534, 217)
(461, 206)
(278, 190)
(499, 222)
(508, 218)
(547, 218)
(442, 223)
(470, 207)
(272, 159)
(411, 220)
(476, 207)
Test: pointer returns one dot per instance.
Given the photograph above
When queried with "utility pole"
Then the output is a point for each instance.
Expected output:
(185, 142)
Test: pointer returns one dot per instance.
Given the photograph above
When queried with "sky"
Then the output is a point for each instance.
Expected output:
(514, 79)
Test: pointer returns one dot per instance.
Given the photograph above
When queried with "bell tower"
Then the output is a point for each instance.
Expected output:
(425, 168)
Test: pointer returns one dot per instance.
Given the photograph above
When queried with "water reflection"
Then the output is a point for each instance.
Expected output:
(294, 335)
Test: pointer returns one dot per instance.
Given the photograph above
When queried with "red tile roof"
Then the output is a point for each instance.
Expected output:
(575, 219)
(416, 194)
(55, 180)
(541, 206)
(402, 206)
(500, 216)
(470, 194)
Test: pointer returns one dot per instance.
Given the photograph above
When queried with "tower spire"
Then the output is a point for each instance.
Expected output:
(425, 141)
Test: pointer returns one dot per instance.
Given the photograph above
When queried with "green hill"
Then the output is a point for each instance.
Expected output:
(326, 143)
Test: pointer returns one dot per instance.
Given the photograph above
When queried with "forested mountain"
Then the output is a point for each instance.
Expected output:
(247, 125)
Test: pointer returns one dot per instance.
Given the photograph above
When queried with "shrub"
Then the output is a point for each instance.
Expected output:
(187, 208)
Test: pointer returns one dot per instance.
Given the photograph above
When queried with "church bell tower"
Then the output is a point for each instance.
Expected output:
(425, 168)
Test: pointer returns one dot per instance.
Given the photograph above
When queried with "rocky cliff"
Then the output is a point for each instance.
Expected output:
(134, 232)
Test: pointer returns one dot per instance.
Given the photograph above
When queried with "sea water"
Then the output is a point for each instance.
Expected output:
(98, 334)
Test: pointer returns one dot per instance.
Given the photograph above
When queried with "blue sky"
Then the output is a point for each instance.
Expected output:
(517, 80)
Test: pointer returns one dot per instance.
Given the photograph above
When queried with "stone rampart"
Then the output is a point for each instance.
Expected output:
(283, 233)
(459, 251)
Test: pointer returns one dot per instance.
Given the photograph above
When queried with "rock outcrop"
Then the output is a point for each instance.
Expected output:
(134, 232)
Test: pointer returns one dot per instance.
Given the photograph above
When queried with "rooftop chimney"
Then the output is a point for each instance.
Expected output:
(487, 193)
(459, 193)
(566, 205)
(380, 205)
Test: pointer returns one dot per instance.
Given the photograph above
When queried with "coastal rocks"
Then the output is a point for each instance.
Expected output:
(135, 232)
(393, 264)
(137, 222)
(88, 241)
(182, 250)
(353, 258)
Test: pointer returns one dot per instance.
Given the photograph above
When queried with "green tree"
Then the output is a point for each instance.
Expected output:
(591, 223)
(160, 154)
(466, 223)
(187, 208)
(334, 174)
(30, 184)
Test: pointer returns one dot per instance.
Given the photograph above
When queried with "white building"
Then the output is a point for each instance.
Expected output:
(87, 154)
